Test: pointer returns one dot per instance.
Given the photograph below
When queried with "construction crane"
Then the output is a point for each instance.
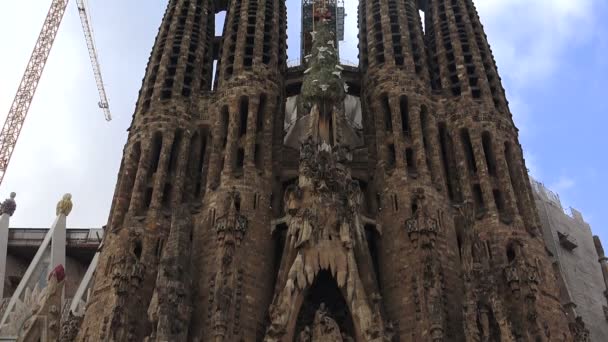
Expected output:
(31, 77)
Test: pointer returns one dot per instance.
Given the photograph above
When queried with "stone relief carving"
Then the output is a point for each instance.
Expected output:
(227, 284)
(9, 205)
(422, 227)
(39, 315)
(324, 228)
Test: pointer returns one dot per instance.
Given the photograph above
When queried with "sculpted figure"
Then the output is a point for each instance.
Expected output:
(305, 335)
(9, 205)
(325, 328)
(65, 205)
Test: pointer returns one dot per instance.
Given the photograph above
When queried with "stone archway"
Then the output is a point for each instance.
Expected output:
(324, 295)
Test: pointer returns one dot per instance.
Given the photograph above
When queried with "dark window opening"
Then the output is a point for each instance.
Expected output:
(243, 114)
(177, 141)
(137, 249)
(224, 126)
(166, 201)
(388, 119)
(489, 153)
(391, 158)
(411, 162)
(258, 156)
(468, 150)
(395, 203)
(499, 201)
(157, 143)
(511, 255)
(148, 197)
(260, 117)
(372, 238)
(478, 199)
(239, 161)
(405, 116)
(449, 164)
(425, 141)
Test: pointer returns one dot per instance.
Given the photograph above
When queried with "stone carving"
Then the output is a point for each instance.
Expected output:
(231, 227)
(9, 205)
(227, 285)
(325, 232)
(64, 207)
(39, 314)
(69, 329)
(325, 329)
(579, 330)
(422, 227)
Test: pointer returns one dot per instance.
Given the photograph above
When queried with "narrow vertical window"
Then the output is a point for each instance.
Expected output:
(411, 162)
(388, 118)
(157, 144)
(174, 157)
(243, 111)
(199, 185)
(468, 150)
(425, 140)
(260, 118)
(405, 116)
(489, 153)
(478, 199)
(239, 161)
(449, 163)
(257, 154)
(224, 126)
(499, 201)
(391, 158)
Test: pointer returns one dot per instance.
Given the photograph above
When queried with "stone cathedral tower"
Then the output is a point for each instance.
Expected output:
(407, 218)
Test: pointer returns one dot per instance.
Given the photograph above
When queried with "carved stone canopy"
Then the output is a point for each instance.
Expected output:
(422, 224)
(232, 226)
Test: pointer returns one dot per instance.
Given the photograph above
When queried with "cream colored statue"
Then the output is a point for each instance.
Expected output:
(65, 205)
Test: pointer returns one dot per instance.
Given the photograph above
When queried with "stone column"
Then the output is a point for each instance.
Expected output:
(58, 239)
(602, 260)
(6, 210)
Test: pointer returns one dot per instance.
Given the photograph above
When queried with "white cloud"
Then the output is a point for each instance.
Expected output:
(563, 184)
(529, 37)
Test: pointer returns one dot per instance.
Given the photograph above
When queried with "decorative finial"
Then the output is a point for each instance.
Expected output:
(9, 205)
(65, 205)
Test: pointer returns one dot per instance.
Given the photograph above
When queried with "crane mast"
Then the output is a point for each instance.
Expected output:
(33, 72)
(29, 83)
(88, 35)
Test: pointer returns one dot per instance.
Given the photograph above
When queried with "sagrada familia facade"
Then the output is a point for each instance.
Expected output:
(413, 220)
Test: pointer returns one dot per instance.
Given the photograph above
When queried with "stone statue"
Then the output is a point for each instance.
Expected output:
(9, 205)
(64, 207)
(305, 335)
(325, 328)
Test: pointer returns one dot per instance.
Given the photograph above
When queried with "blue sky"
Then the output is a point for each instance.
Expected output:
(551, 54)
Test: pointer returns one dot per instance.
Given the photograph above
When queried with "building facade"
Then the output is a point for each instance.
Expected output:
(416, 223)
(579, 262)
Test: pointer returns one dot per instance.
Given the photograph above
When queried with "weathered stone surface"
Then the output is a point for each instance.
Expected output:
(421, 226)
